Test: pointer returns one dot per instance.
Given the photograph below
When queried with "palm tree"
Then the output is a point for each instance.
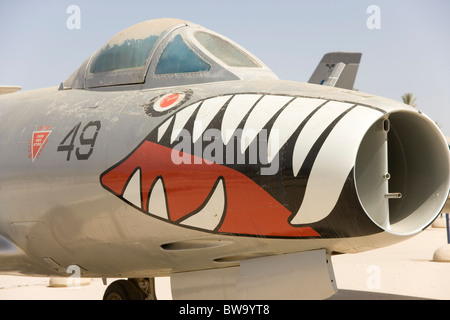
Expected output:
(409, 99)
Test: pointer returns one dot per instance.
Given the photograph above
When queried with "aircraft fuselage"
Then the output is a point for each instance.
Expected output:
(117, 183)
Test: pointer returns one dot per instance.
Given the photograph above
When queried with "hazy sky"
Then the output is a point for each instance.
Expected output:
(408, 53)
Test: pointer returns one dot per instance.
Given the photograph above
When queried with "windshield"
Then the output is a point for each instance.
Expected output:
(177, 57)
(129, 54)
(131, 47)
(225, 51)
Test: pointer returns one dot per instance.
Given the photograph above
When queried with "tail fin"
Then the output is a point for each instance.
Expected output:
(337, 69)
(8, 89)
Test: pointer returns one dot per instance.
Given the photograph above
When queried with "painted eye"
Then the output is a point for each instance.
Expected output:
(168, 101)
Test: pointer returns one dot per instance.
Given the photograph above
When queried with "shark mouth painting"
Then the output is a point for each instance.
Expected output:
(233, 164)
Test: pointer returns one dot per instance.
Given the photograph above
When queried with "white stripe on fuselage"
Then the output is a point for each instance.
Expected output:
(329, 172)
(313, 129)
(260, 115)
(206, 113)
(334, 160)
(288, 121)
(236, 110)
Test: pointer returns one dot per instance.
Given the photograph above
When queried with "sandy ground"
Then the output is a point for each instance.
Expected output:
(402, 271)
(405, 270)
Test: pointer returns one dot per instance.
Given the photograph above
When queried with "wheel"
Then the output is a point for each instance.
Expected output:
(123, 290)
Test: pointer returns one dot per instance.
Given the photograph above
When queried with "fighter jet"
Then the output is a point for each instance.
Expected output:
(172, 151)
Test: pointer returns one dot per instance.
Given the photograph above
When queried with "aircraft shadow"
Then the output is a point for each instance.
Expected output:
(366, 295)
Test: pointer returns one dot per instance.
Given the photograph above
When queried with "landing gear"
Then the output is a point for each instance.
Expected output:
(131, 289)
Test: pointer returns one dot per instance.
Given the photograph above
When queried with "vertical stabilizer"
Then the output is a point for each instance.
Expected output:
(337, 69)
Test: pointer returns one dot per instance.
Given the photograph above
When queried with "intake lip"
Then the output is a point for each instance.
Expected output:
(402, 172)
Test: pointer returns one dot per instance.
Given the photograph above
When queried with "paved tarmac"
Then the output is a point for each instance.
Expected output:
(402, 271)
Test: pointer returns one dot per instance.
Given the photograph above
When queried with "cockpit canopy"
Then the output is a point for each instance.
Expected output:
(166, 52)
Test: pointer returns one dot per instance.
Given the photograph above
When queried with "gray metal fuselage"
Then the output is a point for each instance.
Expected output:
(56, 213)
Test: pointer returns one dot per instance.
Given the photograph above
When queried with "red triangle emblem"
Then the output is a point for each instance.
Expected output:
(38, 142)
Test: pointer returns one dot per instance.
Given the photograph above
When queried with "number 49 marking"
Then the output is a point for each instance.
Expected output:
(87, 138)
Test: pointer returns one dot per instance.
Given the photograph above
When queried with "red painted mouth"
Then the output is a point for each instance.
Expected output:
(200, 195)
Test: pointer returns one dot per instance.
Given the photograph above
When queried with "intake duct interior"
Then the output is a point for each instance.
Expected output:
(402, 172)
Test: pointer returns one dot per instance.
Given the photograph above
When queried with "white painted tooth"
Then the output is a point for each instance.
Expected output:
(259, 116)
(288, 121)
(157, 200)
(313, 129)
(163, 128)
(236, 110)
(181, 118)
(206, 113)
(132, 192)
(333, 165)
(210, 216)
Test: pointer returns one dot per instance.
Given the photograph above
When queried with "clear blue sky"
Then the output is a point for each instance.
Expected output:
(409, 53)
